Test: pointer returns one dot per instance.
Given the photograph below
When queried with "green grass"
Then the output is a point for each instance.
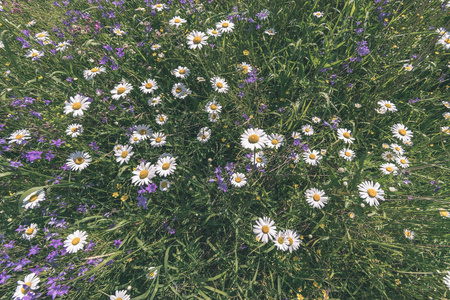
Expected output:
(213, 253)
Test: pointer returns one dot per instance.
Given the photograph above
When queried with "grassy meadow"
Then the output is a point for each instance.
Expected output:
(148, 146)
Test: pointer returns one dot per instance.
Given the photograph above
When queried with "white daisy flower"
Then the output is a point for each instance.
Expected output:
(152, 272)
(280, 241)
(155, 47)
(213, 107)
(381, 110)
(143, 130)
(254, 138)
(166, 166)
(30, 231)
(389, 168)
(225, 26)
(402, 161)
(31, 23)
(120, 295)
(213, 32)
(204, 135)
(345, 135)
(161, 119)
(118, 31)
(446, 115)
(409, 234)
(293, 239)
(397, 149)
(259, 159)
(307, 130)
(446, 104)
(357, 105)
(219, 84)
(265, 229)
(135, 138)
(444, 213)
(181, 72)
(245, 68)
(196, 39)
(124, 154)
(401, 132)
(159, 6)
(140, 9)
(371, 193)
(238, 180)
(389, 106)
(201, 79)
(180, 91)
(312, 157)
(177, 21)
(19, 136)
(158, 139)
(90, 74)
(447, 280)
(29, 284)
(318, 14)
(32, 200)
(445, 129)
(164, 185)
(388, 156)
(154, 101)
(75, 241)
(347, 154)
(214, 117)
(275, 140)
(408, 67)
(74, 130)
(316, 120)
(34, 54)
(149, 86)
(296, 135)
(62, 46)
(76, 105)
(143, 174)
(441, 31)
(316, 198)
(79, 160)
(385, 146)
(121, 90)
(41, 36)
(445, 41)
(270, 31)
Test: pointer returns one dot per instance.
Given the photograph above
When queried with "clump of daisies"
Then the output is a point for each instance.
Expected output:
(266, 231)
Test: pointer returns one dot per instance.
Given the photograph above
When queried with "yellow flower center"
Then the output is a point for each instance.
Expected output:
(238, 179)
(219, 85)
(389, 169)
(213, 116)
(74, 129)
(94, 70)
(397, 148)
(76, 241)
(177, 21)
(76, 106)
(124, 154)
(158, 5)
(253, 138)
(403, 161)
(165, 166)
(265, 229)
(447, 41)
(307, 129)
(142, 132)
(164, 184)
(178, 90)
(158, 140)
(346, 135)
(388, 105)
(40, 35)
(203, 136)
(24, 291)
(447, 130)
(274, 142)
(213, 107)
(79, 160)
(151, 274)
(280, 240)
(407, 233)
(182, 71)
(408, 68)
(143, 174)
(161, 119)
(135, 139)
(197, 40)
(148, 85)
(33, 198)
(19, 136)
(119, 298)
(30, 230)
(402, 132)
(316, 197)
(444, 213)
(291, 241)
(214, 32)
(312, 156)
(225, 25)
(348, 154)
(372, 193)
(121, 90)
(258, 159)
(244, 69)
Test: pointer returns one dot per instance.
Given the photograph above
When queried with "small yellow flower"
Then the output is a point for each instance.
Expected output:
(295, 186)
(11, 193)
(397, 281)
(119, 186)
(154, 54)
(300, 297)
(40, 77)
(8, 63)
(322, 226)
(258, 198)
(223, 140)
(316, 284)
(124, 198)
(246, 52)
(115, 194)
